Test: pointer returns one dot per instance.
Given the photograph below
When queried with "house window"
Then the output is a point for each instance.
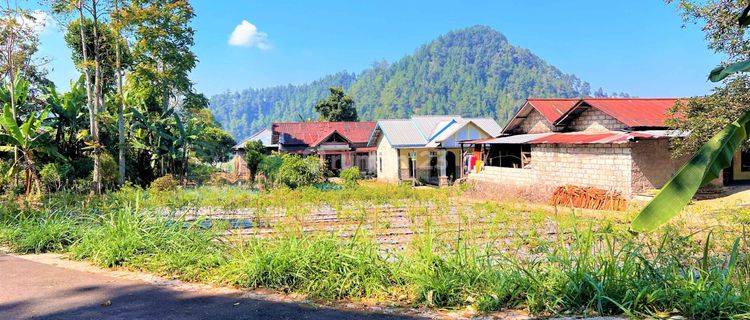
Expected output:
(509, 155)
(380, 163)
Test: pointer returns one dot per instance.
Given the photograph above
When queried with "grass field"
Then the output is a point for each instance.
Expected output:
(441, 248)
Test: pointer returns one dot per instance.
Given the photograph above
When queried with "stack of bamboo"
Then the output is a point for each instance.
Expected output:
(588, 198)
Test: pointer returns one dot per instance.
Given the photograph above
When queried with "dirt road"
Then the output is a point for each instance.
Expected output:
(34, 290)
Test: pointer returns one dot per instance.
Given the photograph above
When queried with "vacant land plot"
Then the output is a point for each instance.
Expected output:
(439, 248)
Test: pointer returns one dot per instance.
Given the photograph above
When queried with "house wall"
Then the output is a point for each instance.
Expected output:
(535, 123)
(469, 132)
(604, 166)
(653, 164)
(386, 161)
(593, 120)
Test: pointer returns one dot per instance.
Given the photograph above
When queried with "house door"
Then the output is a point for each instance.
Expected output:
(741, 166)
(333, 161)
(450, 162)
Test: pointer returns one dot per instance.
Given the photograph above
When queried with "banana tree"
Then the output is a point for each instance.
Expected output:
(706, 165)
(28, 139)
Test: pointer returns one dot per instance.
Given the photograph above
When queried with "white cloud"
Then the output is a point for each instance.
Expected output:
(246, 34)
(37, 21)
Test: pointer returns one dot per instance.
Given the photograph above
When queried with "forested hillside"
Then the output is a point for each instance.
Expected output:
(471, 72)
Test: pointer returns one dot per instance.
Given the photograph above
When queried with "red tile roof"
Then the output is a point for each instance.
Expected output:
(552, 109)
(311, 133)
(634, 112)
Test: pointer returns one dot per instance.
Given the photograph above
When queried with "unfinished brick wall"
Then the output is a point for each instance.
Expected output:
(535, 123)
(604, 166)
(593, 120)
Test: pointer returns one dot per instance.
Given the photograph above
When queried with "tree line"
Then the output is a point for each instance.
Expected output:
(132, 116)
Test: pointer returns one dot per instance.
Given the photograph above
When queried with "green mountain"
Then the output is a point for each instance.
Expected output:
(471, 72)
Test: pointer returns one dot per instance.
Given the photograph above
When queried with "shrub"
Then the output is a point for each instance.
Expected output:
(53, 175)
(217, 179)
(200, 173)
(254, 154)
(350, 176)
(269, 166)
(296, 171)
(164, 183)
(108, 170)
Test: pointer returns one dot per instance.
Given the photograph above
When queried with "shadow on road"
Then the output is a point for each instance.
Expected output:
(33, 290)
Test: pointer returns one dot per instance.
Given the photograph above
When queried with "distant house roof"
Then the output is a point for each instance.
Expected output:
(429, 131)
(264, 136)
(633, 112)
(313, 133)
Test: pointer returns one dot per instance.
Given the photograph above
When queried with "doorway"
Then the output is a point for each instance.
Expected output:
(333, 162)
(450, 162)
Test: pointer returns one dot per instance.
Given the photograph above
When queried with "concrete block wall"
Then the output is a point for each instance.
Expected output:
(593, 120)
(653, 164)
(535, 123)
(604, 166)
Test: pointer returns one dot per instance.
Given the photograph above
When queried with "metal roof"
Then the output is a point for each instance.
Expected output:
(633, 112)
(401, 132)
(310, 133)
(428, 131)
(264, 136)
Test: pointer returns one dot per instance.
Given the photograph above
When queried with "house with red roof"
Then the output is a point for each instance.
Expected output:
(340, 144)
(615, 144)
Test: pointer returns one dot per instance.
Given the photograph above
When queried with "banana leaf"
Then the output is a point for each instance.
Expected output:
(719, 73)
(705, 166)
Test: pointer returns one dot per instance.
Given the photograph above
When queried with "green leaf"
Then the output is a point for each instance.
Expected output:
(719, 73)
(705, 166)
(745, 17)
(8, 122)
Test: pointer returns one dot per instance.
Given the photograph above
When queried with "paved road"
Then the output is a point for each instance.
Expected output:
(32, 290)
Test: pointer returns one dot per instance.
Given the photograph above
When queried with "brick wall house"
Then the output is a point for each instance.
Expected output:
(620, 145)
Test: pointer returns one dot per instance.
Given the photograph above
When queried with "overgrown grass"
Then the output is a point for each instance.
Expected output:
(547, 263)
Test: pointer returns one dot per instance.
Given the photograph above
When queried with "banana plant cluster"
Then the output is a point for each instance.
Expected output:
(27, 137)
(706, 165)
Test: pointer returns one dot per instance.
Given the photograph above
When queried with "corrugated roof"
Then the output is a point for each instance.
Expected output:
(310, 133)
(429, 130)
(552, 109)
(402, 132)
(264, 136)
(488, 125)
(633, 112)
(512, 139)
(615, 137)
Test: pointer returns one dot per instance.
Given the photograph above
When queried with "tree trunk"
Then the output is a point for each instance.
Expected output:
(99, 101)
(120, 107)
(89, 99)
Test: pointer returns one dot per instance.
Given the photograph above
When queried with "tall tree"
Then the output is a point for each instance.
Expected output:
(162, 60)
(337, 107)
(120, 101)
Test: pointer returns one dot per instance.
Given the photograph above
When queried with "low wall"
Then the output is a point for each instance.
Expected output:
(604, 166)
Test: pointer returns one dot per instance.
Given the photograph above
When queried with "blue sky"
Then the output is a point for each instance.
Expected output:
(637, 46)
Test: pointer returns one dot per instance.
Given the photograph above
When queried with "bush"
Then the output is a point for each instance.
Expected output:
(350, 176)
(164, 183)
(200, 173)
(53, 175)
(269, 167)
(254, 154)
(296, 171)
(217, 179)
(108, 170)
